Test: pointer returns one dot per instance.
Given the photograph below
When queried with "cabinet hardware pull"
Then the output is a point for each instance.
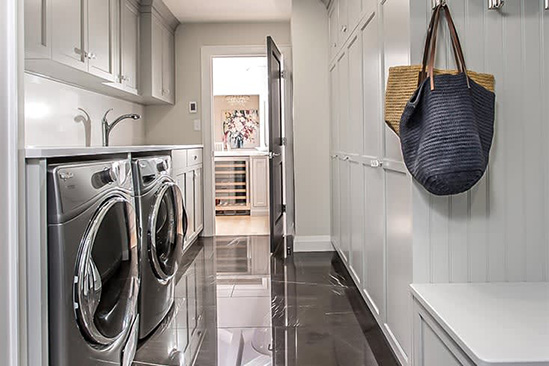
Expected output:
(344, 29)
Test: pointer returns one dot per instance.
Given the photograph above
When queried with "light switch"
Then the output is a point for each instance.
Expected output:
(197, 125)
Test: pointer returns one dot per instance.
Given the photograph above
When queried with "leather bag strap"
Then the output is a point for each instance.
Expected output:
(434, 18)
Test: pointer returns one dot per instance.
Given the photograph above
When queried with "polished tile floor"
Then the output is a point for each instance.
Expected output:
(237, 306)
(242, 225)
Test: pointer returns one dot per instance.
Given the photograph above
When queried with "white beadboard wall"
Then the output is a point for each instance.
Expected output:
(499, 231)
(52, 117)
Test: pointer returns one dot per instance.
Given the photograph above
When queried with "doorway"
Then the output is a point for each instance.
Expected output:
(240, 123)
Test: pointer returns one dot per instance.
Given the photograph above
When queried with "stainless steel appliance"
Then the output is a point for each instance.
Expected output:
(163, 225)
(93, 264)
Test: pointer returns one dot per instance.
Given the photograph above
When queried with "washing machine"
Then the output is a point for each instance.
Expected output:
(163, 224)
(93, 264)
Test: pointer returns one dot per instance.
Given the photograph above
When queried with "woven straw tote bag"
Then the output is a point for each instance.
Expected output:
(404, 80)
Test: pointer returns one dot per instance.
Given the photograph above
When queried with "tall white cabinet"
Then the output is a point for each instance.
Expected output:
(371, 190)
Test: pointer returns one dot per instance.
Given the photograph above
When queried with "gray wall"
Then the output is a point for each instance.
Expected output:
(498, 231)
(174, 124)
(311, 119)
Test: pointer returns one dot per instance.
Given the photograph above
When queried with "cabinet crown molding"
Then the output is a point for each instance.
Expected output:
(159, 8)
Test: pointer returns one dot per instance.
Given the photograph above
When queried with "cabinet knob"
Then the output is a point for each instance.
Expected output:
(92, 56)
(344, 29)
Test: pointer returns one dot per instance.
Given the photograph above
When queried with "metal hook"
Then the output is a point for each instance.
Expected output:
(435, 3)
(495, 4)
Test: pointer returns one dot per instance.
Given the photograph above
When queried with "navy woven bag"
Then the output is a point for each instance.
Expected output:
(447, 127)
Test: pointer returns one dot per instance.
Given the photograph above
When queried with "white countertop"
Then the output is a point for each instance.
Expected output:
(37, 152)
(494, 323)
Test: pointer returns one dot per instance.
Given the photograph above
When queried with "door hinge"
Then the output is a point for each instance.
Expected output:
(283, 141)
(288, 251)
(284, 208)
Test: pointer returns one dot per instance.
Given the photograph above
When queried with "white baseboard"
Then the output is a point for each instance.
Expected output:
(320, 243)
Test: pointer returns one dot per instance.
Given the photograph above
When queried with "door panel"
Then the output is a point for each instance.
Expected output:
(68, 26)
(399, 257)
(345, 209)
(102, 50)
(372, 90)
(356, 125)
(343, 67)
(189, 202)
(357, 219)
(335, 217)
(157, 63)
(334, 95)
(374, 228)
(129, 42)
(198, 204)
(276, 148)
(168, 65)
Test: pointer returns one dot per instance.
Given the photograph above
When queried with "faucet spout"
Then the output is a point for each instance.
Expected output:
(108, 127)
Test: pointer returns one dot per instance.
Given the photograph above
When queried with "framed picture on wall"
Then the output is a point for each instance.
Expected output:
(241, 128)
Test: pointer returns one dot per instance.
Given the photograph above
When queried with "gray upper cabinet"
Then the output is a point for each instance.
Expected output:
(68, 28)
(123, 48)
(158, 55)
(102, 51)
(129, 46)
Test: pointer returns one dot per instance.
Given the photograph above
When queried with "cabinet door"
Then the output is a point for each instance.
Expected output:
(354, 9)
(336, 218)
(334, 110)
(374, 233)
(343, 67)
(37, 29)
(356, 125)
(357, 219)
(102, 38)
(189, 202)
(345, 234)
(373, 122)
(168, 66)
(334, 30)
(157, 39)
(260, 183)
(198, 200)
(129, 46)
(344, 29)
(68, 25)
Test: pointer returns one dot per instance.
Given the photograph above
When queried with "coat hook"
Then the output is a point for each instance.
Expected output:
(435, 3)
(495, 4)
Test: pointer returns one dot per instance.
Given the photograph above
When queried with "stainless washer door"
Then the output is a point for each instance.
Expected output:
(107, 273)
(167, 229)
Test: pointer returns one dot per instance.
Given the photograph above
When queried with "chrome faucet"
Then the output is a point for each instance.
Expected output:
(108, 127)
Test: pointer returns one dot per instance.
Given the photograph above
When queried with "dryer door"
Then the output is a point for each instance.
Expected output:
(107, 273)
(167, 229)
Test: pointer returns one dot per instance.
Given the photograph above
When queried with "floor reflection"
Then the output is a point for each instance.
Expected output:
(249, 309)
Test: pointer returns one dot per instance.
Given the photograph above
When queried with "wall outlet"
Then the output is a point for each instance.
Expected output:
(197, 125)
(193, 107)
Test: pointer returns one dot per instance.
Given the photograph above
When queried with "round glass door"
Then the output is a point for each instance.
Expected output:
(107, 281)
(167, 228)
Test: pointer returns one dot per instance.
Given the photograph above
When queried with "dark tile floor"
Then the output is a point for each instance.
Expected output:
(249, 309)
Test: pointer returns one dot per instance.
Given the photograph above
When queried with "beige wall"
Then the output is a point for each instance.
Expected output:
(311, 118)
(52, 117)
(174, 124)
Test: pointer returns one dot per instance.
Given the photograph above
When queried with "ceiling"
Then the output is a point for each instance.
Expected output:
(195, 11)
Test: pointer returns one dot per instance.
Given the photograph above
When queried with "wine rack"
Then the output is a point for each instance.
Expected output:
(232, 186)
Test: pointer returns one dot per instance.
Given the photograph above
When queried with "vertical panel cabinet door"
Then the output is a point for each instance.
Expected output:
(345, 235)
(356, 125)
(334, 30)
(373, 121)
(129, 46)
(334, 117)
(260, 183)
(354, 9)
(102, 50)
(399, 257)
(374, 233)
(343, 76)
(336, 213)
(168, 66)
(357, 220)
(343, 17)
(157, 40)
(37, 29)
(189, 202)
(198, 200)
(68, 30)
